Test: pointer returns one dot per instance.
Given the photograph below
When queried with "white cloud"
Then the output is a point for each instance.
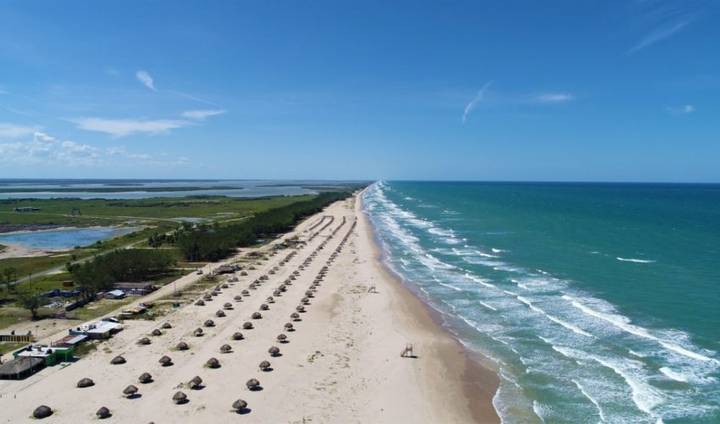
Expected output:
(659, 35)
(44, 149)
(681, 110)
(125, 127)
(554, 98)
(201, 115)
(15, 131)
(145, 78)
(478, 98)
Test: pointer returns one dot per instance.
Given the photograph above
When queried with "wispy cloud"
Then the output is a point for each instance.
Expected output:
(14, 131)
(201, 115)
(125, 127)
(658, 35)
(146, 79)
(680, 110)
(477, 99)
(192, 97)
(554, 98)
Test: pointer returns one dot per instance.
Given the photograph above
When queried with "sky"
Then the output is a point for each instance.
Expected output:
(573, 90)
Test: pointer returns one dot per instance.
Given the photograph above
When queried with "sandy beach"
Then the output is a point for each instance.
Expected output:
(341, 362)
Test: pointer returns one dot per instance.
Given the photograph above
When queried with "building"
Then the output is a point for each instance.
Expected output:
(21, 368)
(26, 209)
(137, 289)
(50, 354)
(70, 340)
(103, 329)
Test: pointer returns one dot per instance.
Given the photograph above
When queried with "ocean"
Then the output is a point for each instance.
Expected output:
(595, 302)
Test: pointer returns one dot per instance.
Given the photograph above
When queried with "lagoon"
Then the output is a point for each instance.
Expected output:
(66, 238)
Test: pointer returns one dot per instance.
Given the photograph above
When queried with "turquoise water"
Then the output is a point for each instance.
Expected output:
(596, 302)
(64, 238)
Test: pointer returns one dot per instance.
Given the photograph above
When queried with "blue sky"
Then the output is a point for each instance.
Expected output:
(505, 90)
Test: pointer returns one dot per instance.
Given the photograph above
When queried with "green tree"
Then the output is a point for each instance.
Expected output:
(9, 275)
(32, 301)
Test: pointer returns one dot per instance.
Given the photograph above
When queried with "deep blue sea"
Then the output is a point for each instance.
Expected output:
(595, 302)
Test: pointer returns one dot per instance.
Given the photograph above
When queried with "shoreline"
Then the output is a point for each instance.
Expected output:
(340, 364)
(479, 382)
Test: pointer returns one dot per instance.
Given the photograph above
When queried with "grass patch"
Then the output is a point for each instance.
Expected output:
(10, 347)
(99, 308)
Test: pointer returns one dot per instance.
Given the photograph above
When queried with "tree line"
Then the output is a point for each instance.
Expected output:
(120, 265)
(215, 242)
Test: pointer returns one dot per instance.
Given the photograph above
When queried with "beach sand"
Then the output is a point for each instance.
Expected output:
(342, 363)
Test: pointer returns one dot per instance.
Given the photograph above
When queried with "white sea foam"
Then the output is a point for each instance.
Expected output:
(674, 375)
(624, 324)
(486, 305)
(450, 286)
(637, 261)
(571, 327)
(591, 399)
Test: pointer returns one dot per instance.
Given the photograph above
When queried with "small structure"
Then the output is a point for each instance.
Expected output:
(115, 294)
(26, 209)
(102, 329)
(50, 354)
(137, 289)
(407, 352)
(21, 368)
(70, 340)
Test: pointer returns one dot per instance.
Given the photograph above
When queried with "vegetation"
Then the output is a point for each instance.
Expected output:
(120, 265)
(214, 242)
(86, 212)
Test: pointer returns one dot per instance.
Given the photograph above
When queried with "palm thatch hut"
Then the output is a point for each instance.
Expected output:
(198, 332)
(253, 384)
(305, 301)
(228, 305)
(156, 332)
(130, 391)
(295, 316)
(165, 361)
(264, 307)
(265, 365)
(182, 346)
(85, 382)
(179, 398)
(42, 411)
(195, 383)
(300, 308)
(239, 406)
(289, 326)
(166, 326)
(270, 300)
(238, 336)
(277, 293)
(245, 293)
(274, 351)
(145, 378)
(237, 298)
(200, 302)
(247, 325)
(256, 315)
(226, 348)
(118, 360)
(220, 313)
(144, 341)
(209, 323)
(282, 338)
(243, 273)
(212, 363)
(103, 413)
